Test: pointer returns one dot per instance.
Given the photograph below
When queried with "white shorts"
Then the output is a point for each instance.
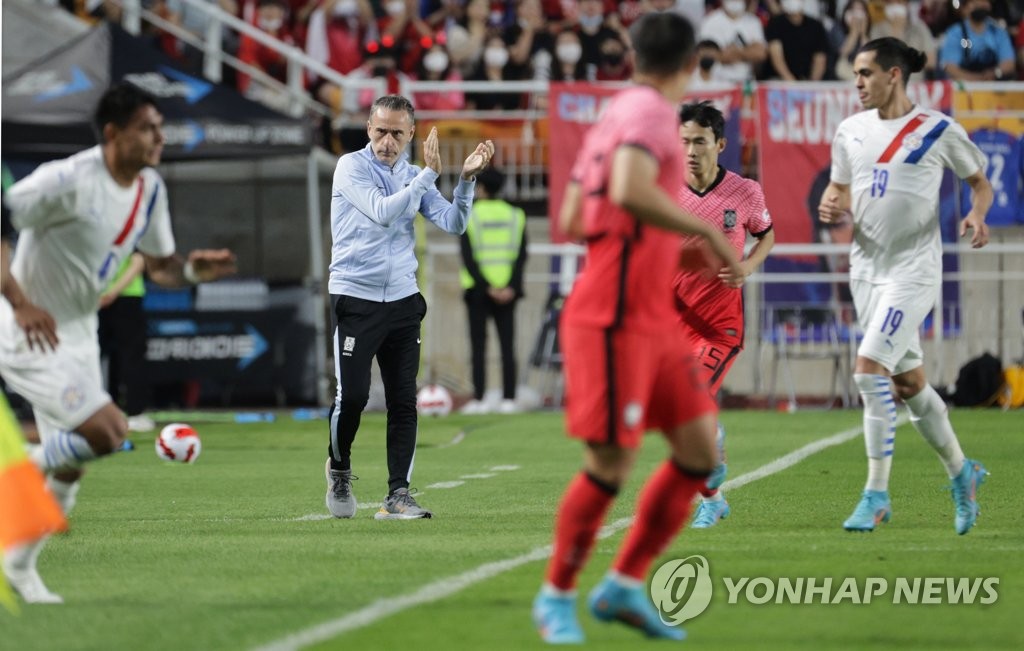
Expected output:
(64, 387)
(891, 315)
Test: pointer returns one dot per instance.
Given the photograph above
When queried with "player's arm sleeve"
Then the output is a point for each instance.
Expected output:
(451, 217)
(760, 222)
(355, 183)
(840, 163)
(960, 154)
(158, 239)
(44, 197)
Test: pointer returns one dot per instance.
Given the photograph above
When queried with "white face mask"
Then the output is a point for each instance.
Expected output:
(591, 22)
(496, 57)
(793, 6)
(735, 7)
(895, 11)
(569, 52)
(395, 7)
(346, 8)
(854, 15)
(435, 61)
(270, 24)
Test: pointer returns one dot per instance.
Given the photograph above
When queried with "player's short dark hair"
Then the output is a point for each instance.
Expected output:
(706, 115)
(893, 53)
(708, 43)
(394, 103)
(118, 104)
(663, 43)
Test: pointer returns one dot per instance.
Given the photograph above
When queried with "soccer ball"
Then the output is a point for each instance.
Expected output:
(434, 400)
(178, 442)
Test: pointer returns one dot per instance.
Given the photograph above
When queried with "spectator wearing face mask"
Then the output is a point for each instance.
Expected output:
(335, 36)
(436, 66)
(568, 61)
(797, 45)
(592, 30)
(739, 36)
(270, 18)
(467, 35)
(851, 31)
(531, 42)
(612, 64)
(977, 48)
(709, 66)
(900, 23)
(495, 66)
(380, 61)
(401, 21)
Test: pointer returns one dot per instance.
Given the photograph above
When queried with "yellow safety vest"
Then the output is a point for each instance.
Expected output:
(137, 287)
(495, 232)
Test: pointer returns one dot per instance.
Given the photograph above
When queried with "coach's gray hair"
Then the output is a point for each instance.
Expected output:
(393, 103)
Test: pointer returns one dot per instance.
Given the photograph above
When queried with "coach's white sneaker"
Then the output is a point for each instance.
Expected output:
(20, 569)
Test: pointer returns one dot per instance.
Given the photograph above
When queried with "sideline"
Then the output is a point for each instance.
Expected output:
(448, 586)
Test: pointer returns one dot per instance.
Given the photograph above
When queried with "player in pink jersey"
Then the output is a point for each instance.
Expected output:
(711, 312)
(887, 165)
(626, 369)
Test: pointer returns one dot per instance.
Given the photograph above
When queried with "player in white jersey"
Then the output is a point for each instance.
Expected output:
(887, 164)
(78, 218)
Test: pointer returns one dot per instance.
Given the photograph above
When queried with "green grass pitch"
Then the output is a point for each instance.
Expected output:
(233, 552)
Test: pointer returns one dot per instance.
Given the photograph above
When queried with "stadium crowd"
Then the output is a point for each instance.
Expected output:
(571, 40)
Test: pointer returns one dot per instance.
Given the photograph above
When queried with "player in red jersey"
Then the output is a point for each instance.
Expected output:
(626, 367)
(710, 311)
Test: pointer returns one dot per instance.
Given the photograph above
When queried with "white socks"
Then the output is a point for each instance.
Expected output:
(929, 416)
(60, 450)
(879, 427)
(65, 492)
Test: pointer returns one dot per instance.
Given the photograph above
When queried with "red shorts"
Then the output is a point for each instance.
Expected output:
(620, 384)
(714, 358)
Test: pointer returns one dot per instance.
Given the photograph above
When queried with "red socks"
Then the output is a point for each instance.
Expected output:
(579, 516)
(662, 508)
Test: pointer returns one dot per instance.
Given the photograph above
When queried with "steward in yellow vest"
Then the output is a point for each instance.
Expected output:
(493, 257)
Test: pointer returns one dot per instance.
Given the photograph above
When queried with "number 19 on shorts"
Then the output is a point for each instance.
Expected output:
(893, 319)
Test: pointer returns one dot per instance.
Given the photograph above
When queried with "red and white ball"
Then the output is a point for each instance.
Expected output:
(434, 400)
(178, 442)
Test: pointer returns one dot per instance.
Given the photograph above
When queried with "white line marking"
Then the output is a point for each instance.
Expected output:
(503, 468)
(447, 586)
(479, 475)
(447, 484)
(458, 438)
(311, 517)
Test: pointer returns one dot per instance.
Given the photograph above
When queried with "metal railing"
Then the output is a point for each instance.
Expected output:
(986, 315)
(214, 56)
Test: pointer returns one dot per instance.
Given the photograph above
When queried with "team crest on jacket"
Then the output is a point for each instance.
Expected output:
(729, 219)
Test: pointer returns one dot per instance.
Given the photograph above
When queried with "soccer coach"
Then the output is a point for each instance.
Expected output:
(377, 306)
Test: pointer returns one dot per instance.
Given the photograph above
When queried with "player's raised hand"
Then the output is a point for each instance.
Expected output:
(211, 264)
(978, 228)
(432, 151)
(478, 160)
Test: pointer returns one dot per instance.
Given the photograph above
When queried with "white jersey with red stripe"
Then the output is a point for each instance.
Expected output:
(894, 168)
(76, 226)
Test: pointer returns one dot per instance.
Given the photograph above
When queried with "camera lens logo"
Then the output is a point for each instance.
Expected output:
(681, 589)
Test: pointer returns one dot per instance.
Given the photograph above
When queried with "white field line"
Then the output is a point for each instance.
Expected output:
(450, 585)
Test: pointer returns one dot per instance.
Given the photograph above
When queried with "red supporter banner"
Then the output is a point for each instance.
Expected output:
(796, 124)
(574, 107)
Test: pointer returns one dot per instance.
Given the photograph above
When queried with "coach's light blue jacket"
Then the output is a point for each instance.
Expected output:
(372, 212)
